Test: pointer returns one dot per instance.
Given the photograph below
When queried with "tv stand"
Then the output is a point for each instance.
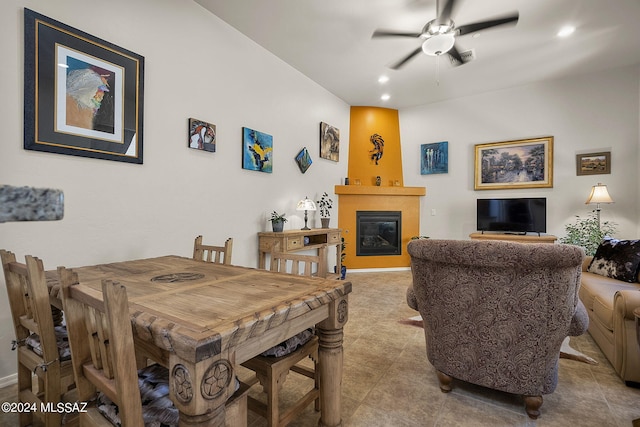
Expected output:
(520, 238)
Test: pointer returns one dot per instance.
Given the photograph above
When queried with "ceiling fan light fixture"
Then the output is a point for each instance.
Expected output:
(438, 44)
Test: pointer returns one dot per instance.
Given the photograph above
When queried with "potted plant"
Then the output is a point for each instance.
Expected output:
(277, 221)
(587, 233)
(325, 203)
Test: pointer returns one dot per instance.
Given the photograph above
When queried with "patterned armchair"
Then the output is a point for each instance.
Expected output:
(495, 313)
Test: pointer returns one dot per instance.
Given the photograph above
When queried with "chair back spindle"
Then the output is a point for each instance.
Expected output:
(211, 253)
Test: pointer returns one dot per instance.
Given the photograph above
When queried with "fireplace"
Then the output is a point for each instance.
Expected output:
(378, 233)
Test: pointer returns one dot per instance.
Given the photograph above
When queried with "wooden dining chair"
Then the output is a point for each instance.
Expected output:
(209, 253)
(103, 355)
(41, 345)
(296, 264)
(273, 366)
(104, 362)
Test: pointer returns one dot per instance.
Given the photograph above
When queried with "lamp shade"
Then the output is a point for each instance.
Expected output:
(599, 194)
(306, 204)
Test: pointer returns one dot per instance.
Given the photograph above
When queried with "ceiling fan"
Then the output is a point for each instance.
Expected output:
(439, 35)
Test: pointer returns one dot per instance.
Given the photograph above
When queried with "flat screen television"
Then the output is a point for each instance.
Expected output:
(521, 215)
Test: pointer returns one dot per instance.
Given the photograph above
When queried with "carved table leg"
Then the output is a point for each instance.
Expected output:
(200, 390)
(330, 354)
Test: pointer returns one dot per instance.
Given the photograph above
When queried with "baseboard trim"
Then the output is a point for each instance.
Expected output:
(376, 270)
(8, 380)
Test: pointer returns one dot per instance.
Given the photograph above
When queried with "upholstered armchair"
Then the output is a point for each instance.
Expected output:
(495, 313)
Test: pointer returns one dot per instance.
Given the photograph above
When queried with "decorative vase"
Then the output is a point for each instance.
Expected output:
(325, 222)
(378, 180)
(277, 226)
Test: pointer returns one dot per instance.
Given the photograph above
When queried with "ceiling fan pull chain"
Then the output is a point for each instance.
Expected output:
(438, 70)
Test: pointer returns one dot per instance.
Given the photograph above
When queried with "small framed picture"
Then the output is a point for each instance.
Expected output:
(593, 163)
(257, 150)
(329, 142)
(303, 159)
(202, 135)
(434, 158)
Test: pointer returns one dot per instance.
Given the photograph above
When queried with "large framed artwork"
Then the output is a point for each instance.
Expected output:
(257, 150)
(434, 158)
(593, 163)
(525, 163)
(329, 142)
(83, 96)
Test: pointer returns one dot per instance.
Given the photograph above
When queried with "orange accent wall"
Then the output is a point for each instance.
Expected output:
(366, 121)
(355, 198)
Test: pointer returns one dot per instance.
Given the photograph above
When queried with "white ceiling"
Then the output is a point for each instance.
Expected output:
(330, 42)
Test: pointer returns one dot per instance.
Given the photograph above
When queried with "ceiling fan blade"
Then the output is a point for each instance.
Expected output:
(458, 60)
(388, 33)
(455, 54)
(445, 13)
(477, 26)
(404, 60)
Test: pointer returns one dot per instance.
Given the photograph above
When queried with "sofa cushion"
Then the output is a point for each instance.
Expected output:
(618, 259)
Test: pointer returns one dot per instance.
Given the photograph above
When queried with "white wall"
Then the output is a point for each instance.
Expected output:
(196, 66)
(589, 113)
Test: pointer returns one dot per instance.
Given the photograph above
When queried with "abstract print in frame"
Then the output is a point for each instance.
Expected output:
(434, 158)
(303, 159)
(202, 135)
(257, 150)
(525, 163)
(83, 96)
(329, 142)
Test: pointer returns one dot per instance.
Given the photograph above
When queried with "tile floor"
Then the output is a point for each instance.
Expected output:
(388, 382)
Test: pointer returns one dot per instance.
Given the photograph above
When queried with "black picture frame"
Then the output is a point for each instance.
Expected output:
(83, 96)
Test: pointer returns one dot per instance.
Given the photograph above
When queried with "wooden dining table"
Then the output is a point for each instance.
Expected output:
(202, 320)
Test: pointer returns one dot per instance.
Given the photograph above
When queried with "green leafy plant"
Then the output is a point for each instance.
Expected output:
(276, 217)
(325, 204)
(584, 232)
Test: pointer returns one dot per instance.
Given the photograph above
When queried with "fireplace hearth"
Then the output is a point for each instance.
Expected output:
(378, 233)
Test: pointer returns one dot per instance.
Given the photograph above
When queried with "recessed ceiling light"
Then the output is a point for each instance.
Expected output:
(383, 79)
(385, 97)
(566, 31)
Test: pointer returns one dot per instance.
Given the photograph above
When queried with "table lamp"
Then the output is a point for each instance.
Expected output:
(306, 205)
(599, 194)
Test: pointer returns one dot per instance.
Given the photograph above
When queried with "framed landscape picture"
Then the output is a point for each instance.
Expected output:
(593, 163)
(257, 151)
(434, 158)
(329, 142)
(83, 96)
(525, 163)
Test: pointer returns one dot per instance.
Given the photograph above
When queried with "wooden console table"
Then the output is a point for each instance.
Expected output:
(521, 238)
(294, 241)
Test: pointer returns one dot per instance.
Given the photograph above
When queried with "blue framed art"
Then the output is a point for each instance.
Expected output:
(257, 150)
(434, 158)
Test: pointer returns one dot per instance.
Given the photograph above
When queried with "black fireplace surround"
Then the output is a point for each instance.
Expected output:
(378, 233)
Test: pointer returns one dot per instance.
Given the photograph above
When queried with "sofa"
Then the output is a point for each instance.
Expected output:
(496, 313)
(610, 291)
